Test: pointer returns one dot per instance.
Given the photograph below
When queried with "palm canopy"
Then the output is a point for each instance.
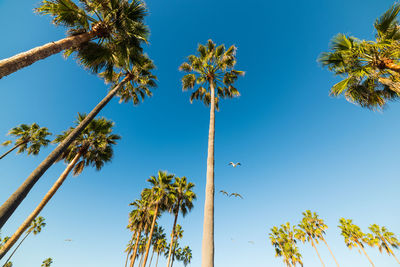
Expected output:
(29, 138)
(140, 215)
(353, 236)
(284, 242)
(384, 238)
(47, 262)
(94, 144)
(313, 227)
(214, 66)
(183, 196)
(370, 69)
(160, 191)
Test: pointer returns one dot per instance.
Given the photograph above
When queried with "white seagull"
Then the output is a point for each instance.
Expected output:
(234, 165)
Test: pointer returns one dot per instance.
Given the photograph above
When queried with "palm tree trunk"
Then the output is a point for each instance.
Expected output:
(387, 63)
(323, 239)
(172, 235)
(394, 256)
(12, 149)
(151, 258)
(207, 248)
(22, 228)
(130, 249)
(12, 203)
(24, 59)
(141, 259)
(150, 236)
(9, 258)
(173, 254)
(362, 248)
(136, 245)
(391, 251)
(315, 247)
(158, 254)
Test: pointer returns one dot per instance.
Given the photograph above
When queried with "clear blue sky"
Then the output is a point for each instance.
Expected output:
(300, 148)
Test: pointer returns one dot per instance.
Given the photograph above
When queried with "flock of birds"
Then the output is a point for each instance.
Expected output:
(234, 165)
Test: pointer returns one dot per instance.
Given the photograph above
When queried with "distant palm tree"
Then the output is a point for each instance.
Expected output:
(8, 264)
(178, 235)
(186, 255)
(213, 71)
(160, 195)
(160, 247)
(114, 21)
(183, 198)
(353, 236)
(385, 240)
(157, 236)
(35, 227)
(30, 138)
(47, 262)
(284, 242)
(93, 147)
(371, 69)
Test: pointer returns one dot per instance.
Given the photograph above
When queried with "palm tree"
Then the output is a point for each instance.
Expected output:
(284, 242)
(113, 21)
(183, 198)
(385, 239)
(47, 262)
(134, 86)
(160, 247)
(35, 227)
(178, 235)
(157, 236)
(213, 71)
(186, 256)
(8, 264)
(93, 147)
(353, 236)
(371, 69)
(160, 196)
(30, 138)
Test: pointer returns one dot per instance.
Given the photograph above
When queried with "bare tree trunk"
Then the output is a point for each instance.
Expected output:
(12, 149)
(14, 238)
(323, 239)
(130, 249)
(22, 60)
(150, 236)
(9, 258)
(12, 203)
(315, 247)
(208, 226)
(172, 236)
(136, 244)
(362, 248)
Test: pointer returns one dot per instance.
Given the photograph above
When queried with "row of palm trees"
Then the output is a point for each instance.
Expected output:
(167, 193)
(312, 229)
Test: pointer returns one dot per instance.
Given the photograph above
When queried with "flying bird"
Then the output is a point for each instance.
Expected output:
(236, 195)
(68, 240)
(234, 165)
(224, 192)
(251, 242)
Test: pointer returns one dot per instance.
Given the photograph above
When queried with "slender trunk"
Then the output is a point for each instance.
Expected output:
(362, 248)
(323, 239)
(11, 204)
(22, 228)
(9, 258)
(173, 253)
(141, 259)
(24, 59)
(172, 235)
(158, 254)
(315, 247)
(151, 258)
(133, 257)
(12, 149)
(207, 248)
(390, 250)
(130, 249)
(150, 236)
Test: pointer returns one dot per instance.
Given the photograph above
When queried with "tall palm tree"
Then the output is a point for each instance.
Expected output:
(47, 262)
(135, 86)
(91, 21)
(30, 138)
(353, 236)
(183, 198)
(371, 69)
(35, 228)
(93, 147)
(284, 242)
(160, 196)
(213, 71)
(386, 240)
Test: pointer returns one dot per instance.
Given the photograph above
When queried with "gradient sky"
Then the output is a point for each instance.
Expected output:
(300, 148)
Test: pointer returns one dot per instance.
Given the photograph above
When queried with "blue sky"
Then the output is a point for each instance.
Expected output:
(300, 148)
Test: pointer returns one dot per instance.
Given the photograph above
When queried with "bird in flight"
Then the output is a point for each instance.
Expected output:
(234, 165)
(236, 195)
(224, 192)
(68, 240)
(251, 242)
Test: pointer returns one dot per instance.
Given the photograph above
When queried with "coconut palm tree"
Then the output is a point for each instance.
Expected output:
(93, 147)
(30, 138)
(211, 74)
(386, 240)
(35, 228)
(371, 69)
(183, 198)
(353, 236)
(47, 262)
(160, 197)
(135, 86)
(97, 21)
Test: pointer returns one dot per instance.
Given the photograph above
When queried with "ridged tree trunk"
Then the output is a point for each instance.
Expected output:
(207, 258)
(9, 258)
(151, 258)
(130, 249)
(387, 63)
(158, 254)
(133, 257)
(173, 234)
(362, 248)
(22, 60)
(12, 149)
(323, 239)
(315, 247)
(22, 228)
(150, 236)
(12, 203)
